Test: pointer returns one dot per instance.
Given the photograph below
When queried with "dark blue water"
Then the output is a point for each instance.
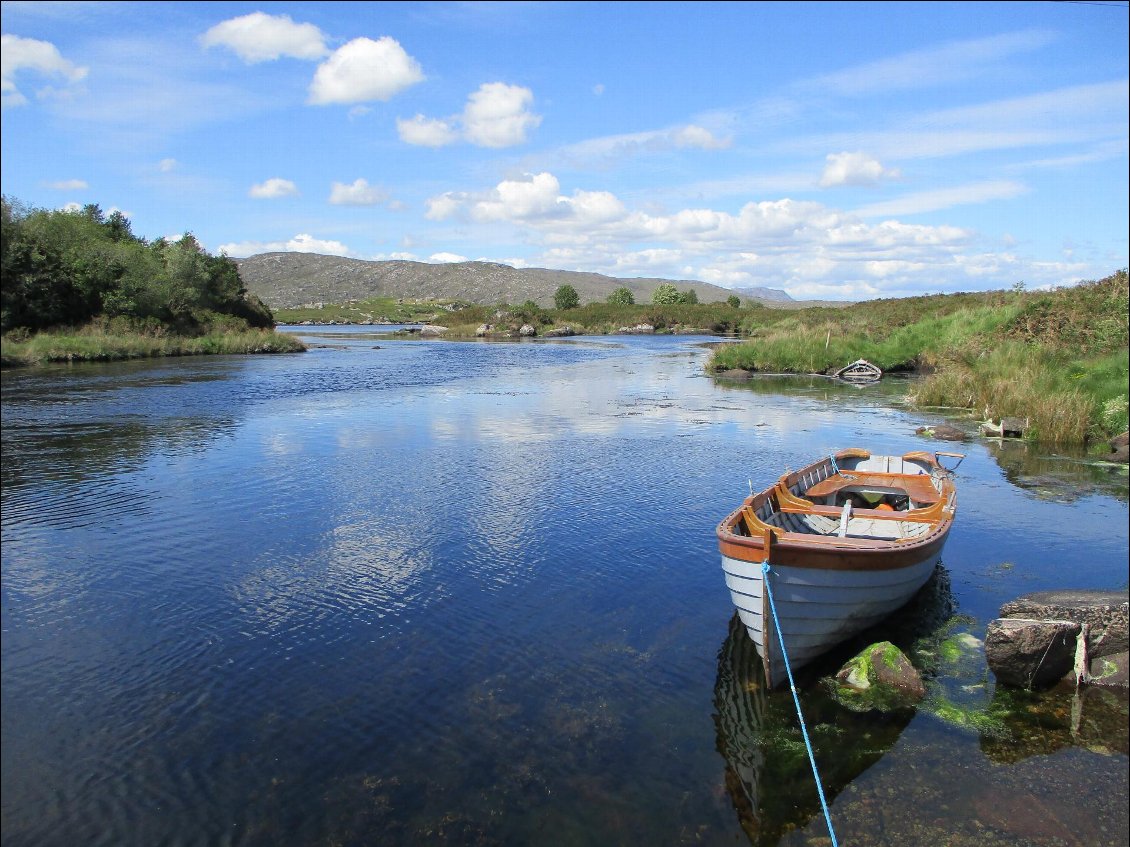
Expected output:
(405, 592)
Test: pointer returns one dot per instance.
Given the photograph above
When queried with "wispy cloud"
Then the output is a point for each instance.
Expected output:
(932, 67)
(608, 150)
(943, 198)
(68, 185)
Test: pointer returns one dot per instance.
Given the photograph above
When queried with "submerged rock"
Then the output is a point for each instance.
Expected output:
(942, 432)
(1111, 671)
(879, 678)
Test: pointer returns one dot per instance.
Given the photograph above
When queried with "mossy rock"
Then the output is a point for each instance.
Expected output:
(878, 678)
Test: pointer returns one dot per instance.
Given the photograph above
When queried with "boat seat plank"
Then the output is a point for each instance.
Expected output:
(914, 515)
(918, 488)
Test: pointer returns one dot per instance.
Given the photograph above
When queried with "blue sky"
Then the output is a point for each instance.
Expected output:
(836, 151)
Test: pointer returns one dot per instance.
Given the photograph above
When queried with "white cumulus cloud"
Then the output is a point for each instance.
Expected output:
(497, 115)
(364, 70)
(854, 169)
(357, 193)
(446, 258)
(27, 54)
(426, 132)
(442, 207)
(513, 199)
(272, 188)
(167, 165)
(262, 38)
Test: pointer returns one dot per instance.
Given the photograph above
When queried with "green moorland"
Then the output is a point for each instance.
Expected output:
(1058, 358)
(79, 285)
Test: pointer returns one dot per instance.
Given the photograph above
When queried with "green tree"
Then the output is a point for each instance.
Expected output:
(690, 297)
(622, 296)
(566, 297)
(67, 268)
(666, 294)
(733, 301)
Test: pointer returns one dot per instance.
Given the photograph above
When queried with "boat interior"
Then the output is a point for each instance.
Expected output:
(854, 495)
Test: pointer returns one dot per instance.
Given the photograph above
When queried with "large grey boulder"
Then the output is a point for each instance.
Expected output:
(1047, 636)
(1105, 613)
(1029, 653)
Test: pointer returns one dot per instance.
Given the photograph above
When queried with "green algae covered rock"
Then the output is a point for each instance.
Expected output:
(879, 678)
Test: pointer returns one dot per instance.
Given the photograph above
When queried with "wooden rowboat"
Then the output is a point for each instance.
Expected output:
(848, 540)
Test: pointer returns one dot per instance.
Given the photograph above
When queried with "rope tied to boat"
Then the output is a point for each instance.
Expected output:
(765, 570)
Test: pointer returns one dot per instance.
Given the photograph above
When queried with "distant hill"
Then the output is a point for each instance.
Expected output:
(293, 280)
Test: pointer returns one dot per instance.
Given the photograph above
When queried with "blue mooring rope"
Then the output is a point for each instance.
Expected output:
(796, 700)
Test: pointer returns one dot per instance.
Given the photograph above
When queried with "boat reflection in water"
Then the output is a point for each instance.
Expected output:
(768, 776)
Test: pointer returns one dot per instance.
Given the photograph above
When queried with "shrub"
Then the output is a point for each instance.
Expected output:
(622, 296)
(566, 297)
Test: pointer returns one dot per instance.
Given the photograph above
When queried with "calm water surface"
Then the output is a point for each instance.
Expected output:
(406, 592)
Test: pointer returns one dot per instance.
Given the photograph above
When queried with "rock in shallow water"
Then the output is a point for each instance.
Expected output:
(879, 678)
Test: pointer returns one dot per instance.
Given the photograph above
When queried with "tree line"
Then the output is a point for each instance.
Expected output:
(68, 268)
(665, 294)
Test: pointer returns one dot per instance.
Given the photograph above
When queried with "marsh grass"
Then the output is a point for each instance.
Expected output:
(1014, 381)
(1057, 358)
(97, 343)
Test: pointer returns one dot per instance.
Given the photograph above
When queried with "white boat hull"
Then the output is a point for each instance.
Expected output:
(816, 609)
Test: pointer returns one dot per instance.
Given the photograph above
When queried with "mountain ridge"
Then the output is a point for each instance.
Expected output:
(286, 280)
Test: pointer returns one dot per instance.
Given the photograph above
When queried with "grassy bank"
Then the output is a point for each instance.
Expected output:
(99, 344)
(592, 318)
(1057, 358)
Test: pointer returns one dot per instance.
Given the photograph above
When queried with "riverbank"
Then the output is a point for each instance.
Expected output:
(1058, 360)
(91, 344)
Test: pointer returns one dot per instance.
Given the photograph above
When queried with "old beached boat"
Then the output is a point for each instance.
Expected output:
(859, 371)
(848, 540)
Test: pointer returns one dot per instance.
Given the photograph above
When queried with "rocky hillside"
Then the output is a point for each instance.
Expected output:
(294, 280)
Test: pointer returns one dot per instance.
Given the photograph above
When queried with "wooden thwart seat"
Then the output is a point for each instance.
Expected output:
(918, 488)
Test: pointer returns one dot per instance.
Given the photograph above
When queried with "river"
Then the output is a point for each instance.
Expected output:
(416, 591)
